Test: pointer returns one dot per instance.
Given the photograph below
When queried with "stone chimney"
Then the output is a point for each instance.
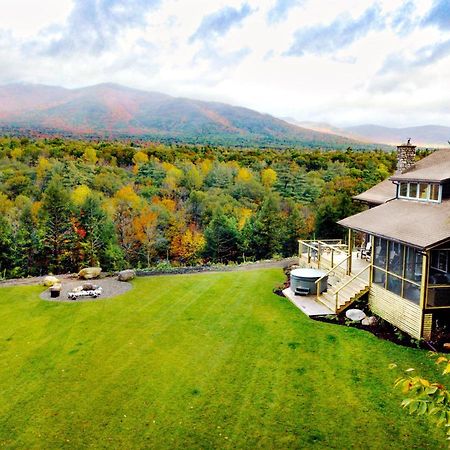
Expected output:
(406, 155)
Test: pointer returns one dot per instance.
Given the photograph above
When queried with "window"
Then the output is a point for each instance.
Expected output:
(420, 191)
(403, 189)
(412, 190)
(423, 191)
(434, 192)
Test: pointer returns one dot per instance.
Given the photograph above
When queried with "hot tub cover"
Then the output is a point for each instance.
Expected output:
(308, 273)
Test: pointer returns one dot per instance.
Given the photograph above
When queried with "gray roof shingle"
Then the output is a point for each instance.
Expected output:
(416, 223)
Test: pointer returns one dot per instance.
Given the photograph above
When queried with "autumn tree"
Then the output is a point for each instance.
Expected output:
(187, 246)
(145, 227)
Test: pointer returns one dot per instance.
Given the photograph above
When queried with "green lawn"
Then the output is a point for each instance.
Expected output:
(197, 361)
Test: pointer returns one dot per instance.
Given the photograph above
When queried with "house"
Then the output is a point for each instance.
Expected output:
(408, 226)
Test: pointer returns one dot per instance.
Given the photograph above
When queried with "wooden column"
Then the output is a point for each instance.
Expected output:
(350, 251)
(372, 255)
(427, 319)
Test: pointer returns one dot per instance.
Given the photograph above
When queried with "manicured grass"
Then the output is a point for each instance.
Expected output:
(197, 361)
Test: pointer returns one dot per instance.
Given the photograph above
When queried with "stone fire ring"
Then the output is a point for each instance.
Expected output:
(111, 288)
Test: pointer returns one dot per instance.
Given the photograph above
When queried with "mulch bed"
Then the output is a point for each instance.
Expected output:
(111, 288)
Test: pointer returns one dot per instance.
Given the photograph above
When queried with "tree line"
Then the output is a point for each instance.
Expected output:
(66, 204)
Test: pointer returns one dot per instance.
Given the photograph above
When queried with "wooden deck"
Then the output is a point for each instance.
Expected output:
(308, 304)
(348, 277)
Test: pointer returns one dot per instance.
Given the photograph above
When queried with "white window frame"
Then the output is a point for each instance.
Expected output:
(427, 199)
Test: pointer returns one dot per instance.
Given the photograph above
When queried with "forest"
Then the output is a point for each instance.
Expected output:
(67, 204)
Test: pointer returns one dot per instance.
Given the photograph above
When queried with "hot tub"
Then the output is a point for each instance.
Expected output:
(303, 281)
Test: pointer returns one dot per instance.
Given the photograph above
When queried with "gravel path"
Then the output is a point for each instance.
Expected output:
(111, 287)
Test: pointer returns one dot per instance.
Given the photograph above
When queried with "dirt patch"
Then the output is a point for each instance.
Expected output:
(111, 288)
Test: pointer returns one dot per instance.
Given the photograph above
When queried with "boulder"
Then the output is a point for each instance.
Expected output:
(50, 280)
(369, 321)
(126, 275)
(89, 273)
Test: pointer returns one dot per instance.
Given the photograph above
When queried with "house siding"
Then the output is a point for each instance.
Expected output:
(401, 313)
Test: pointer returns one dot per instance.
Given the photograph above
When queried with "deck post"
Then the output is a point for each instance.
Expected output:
(424, 293)
(424, 283)
(350, 251)
(318, 254)
(332, 257)
(372, 253)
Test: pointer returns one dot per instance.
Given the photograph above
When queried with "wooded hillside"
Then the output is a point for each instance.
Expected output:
(67, 204)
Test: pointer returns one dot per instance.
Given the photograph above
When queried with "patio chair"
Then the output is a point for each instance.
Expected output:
(365, 252)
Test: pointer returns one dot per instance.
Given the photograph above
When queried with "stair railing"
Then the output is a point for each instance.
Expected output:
(328, 273)
(353, 278)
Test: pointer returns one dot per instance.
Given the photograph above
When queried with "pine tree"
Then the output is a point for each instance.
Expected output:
(58, 230)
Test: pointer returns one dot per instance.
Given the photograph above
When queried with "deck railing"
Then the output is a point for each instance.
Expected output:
(325, 253)
(329, 272)
(353, 278)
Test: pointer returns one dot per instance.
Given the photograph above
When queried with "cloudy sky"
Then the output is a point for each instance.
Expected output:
(345, 62)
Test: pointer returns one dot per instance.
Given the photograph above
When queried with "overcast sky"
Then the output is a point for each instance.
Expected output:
(345, 62)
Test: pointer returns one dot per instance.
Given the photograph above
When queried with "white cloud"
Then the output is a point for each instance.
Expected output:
(150, 46)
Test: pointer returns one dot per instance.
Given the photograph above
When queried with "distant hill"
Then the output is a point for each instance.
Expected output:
(425, 136)
(324, 127)
(114, 111)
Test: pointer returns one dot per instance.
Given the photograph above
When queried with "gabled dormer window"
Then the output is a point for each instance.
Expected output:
(427, 192)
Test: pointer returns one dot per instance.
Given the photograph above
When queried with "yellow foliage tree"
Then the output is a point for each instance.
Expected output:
(16, 153)
(145, 227)
(244, 214)
(79, 194)
(6, 204)
(90, 155)
(268, 177)
(206, 166)
(43, 166)
(244, 175)
(187, 246)
(127, 195)
(140, 158)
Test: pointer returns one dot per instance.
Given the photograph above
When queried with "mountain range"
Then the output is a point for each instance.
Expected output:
(114, 111)
(423, 136)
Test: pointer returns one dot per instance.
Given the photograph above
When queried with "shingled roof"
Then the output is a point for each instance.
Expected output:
(378, 194)
(433, 168)
(415, 223)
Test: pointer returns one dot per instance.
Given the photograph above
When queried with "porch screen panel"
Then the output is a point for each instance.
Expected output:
(380, 252)
(395, 260)
(398, 268)
(413, 265)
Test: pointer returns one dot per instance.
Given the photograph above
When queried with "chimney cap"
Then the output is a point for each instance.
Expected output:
(408, 144)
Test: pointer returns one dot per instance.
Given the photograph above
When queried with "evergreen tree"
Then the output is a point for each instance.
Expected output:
(6, 239)
(59, 234)
(268, 229)
(95, 231)
(222, 238)
(29, 244)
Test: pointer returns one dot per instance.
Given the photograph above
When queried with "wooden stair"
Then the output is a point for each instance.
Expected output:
(354, 288)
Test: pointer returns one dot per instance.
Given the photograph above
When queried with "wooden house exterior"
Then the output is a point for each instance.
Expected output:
(408, 224)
